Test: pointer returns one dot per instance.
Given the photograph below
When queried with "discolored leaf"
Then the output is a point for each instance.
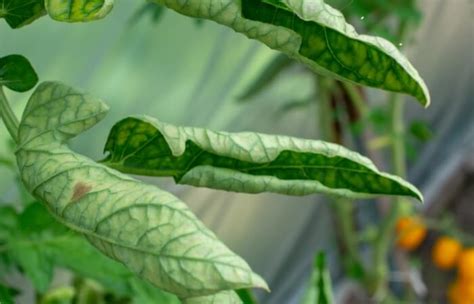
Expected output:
(316, 34)
(18, 13)
(17, 74)
(149, 230)
(245, 162)
(78, 10)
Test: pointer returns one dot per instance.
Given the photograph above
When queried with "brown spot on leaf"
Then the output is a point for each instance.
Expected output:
(80, 189)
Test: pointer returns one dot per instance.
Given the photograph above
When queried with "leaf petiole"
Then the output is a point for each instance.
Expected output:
(9, 118)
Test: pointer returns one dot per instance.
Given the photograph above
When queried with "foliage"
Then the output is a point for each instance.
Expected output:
(245, 162)
(148, 230)
(319, 288)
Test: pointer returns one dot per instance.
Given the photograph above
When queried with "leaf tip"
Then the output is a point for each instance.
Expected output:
(259, 282)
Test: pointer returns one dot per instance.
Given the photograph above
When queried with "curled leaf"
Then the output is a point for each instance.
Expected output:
(78, 10)
(149, 230)
(316, 34)
(246, 162)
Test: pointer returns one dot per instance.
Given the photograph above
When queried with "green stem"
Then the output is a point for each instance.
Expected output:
(385, 237)
(356, 98)
(343, 209)
(384, 240)
(9, 118)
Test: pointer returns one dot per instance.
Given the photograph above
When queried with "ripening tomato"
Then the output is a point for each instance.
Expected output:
(466, 264)
(461, 292)
(410, 232)
(445, 252)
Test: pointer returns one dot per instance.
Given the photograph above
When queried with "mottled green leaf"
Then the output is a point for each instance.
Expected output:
(245, 162)
(227, 297)
(149, 230)
(78, 10)
(316, 34)
(18, 13)
(17, 74)
(319, 288)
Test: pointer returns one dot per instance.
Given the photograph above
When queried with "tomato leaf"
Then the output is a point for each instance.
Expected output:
(245, 162)
(18, 13)
(316, 34)
(149, 230)
(6, 294)
(228, 297)
(319, 288)
(78, 10)
(17, 74)
(247, 296)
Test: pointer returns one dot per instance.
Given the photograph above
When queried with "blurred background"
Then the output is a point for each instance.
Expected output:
(191, 72)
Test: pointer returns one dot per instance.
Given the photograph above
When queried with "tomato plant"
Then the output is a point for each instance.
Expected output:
(164, 251)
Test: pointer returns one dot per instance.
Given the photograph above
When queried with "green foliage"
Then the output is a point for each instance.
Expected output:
(18, 13)
(319, 288)
(34, 241)
(78, 10)
(246, 296)
(154, 10)
(17, 74)
(228, 297)
(316, 34)
(6, 294)
(149, 230)
(421, 131)
(245, 162)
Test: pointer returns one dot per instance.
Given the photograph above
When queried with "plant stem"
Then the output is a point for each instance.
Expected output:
(9, 118)
(383, 242)
(356, 98)
(343, 209)
(385, 237)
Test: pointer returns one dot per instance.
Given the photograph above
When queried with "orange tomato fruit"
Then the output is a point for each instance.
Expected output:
(461, 292)
(410, 232)
(445, 252)
(466, 264)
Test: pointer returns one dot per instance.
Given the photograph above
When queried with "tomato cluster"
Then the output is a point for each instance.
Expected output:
(447, 253)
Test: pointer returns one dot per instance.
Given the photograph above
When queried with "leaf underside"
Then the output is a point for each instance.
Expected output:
(245, 162)
(149, 230)
(316, 34)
